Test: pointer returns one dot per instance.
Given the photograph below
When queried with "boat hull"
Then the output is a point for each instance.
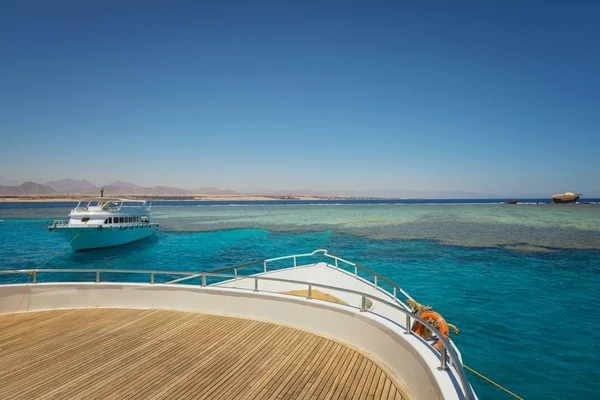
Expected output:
(567, 200)
(90, 238)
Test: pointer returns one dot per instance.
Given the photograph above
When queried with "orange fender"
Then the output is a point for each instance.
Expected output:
(420, 329)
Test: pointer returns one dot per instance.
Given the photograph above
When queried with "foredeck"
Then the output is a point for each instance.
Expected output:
(133, 353)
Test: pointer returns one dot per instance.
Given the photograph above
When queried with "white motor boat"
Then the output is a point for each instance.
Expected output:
(104, 223)
(296, 328)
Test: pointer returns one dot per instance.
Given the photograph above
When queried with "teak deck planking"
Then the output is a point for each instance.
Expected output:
(101, 353)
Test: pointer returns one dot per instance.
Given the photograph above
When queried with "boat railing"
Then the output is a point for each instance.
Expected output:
(59, 223)
(376, 279)
(447, 354)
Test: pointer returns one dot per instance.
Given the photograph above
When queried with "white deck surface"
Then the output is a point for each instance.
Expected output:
(319, 273)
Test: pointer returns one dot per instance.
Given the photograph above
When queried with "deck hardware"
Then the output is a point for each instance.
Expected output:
(203, 280)
(97, 276)
(407, 328)
(444, 355)
(309, 292)
(152, 277)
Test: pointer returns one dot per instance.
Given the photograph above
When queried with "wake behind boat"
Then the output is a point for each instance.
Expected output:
(104, 223)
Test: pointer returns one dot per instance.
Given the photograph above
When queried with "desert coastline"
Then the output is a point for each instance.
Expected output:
(74, 190)
(74, 198)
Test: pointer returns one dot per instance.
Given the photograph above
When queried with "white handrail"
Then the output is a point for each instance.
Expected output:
(325, 253)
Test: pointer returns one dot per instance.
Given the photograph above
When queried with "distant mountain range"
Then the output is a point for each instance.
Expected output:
(27, 189)
(120, 188)
(83, 187)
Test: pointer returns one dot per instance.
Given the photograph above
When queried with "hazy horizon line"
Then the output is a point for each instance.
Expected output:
(396, 192)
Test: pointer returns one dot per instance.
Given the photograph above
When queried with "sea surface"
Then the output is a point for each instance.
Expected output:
(521, 282)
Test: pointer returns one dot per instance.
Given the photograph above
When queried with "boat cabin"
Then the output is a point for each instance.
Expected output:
(110, 212)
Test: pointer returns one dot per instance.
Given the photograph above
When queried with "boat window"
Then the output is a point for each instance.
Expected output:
(110, 220)
(121, 220)
(106, 221)
(85, 219)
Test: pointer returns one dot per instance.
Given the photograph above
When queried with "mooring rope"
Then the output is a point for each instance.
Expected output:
(492, 382)
(40, 266)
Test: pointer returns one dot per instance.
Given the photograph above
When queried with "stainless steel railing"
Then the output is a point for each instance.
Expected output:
(58, 223)
(446, 351)
(377, 278)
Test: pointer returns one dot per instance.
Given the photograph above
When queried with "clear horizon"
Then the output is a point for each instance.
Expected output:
(493, 97)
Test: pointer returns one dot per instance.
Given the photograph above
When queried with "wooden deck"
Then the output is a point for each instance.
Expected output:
(157, 354)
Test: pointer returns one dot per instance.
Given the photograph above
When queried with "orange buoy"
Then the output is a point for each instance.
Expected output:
(437, 321)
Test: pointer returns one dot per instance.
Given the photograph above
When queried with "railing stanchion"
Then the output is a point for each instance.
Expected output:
(203, 280)
(336, 263)
(408, 323)
(235, 273)
(265, 265)
(256, 284)
(375, 280)
(295, 265)
(97, 276)
(355, 271)
(152, 277)
(363, 304)
(395, 293)
(34, 273)
(444, 355)
(309, 292)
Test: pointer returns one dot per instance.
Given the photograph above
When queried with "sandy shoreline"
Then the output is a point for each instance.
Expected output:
(39, 199)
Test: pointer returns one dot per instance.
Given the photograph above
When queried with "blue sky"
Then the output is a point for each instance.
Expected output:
(480, 96)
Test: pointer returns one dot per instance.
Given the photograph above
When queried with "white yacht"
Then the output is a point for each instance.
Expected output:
(285, 327)
(100, 223)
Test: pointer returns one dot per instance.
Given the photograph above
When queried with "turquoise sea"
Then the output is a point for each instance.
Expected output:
(522, 282)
